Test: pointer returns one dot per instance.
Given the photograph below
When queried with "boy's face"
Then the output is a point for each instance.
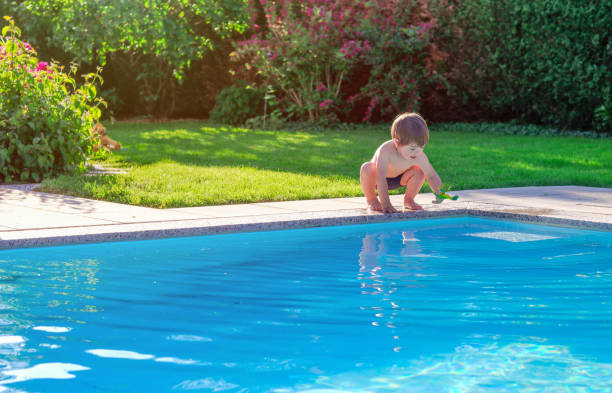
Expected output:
(409, 151)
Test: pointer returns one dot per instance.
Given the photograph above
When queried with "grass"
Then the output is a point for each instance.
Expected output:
(192, 163)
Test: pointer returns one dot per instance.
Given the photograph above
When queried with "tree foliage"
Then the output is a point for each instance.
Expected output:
(156, 41)
(542, 61)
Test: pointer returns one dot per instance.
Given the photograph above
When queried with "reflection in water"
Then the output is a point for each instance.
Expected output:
(431, 309)
(516, 367)
(188, 338)
(381, 274)
(482, 296)
(67, 286)
(209, 384)
(52, 329)
(11, 340)
(119, 354)
(43, 371)
(35, 288)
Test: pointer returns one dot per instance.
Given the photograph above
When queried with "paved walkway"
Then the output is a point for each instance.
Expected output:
(29, 218)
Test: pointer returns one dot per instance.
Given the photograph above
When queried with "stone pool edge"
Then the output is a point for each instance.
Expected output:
(145, 231)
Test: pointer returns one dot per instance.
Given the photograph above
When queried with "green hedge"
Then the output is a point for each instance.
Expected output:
(545, 61)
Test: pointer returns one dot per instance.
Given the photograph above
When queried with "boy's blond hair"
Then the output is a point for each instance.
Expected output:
(410, 128)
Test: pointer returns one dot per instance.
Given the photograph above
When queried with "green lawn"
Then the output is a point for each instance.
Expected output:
(191, 163)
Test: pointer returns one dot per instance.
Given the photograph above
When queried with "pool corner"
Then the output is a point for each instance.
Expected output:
(29, 218)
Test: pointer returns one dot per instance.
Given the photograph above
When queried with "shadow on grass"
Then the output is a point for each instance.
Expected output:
(341, 153)
(333, 153)
(193, 163)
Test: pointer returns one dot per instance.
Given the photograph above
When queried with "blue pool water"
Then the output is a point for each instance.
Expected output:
(449, 305)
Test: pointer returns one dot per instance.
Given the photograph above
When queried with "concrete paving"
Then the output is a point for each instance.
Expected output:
(29, 218)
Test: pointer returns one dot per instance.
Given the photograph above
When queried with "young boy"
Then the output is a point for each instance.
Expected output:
(399, 162)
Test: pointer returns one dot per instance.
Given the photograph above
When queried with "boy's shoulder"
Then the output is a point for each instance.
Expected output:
(387, 145)
(386, 148)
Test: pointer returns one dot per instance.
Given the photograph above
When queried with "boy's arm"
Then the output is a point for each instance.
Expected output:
(433, 179)
(382, 163)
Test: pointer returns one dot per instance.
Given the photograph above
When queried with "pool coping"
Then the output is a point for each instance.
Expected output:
(558, 206)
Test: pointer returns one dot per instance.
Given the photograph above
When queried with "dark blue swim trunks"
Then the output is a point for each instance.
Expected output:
(394, 182)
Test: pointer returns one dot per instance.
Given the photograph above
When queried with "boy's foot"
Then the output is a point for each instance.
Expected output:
(375, 205)
(410, 204)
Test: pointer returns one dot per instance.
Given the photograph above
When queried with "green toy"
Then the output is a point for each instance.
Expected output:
(442, 195)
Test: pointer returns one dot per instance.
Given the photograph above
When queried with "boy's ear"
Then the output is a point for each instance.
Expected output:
(396, 142)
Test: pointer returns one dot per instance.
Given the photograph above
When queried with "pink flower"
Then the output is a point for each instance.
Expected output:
(423, 29)
(42, 66)
(321, 87)
(325, 104)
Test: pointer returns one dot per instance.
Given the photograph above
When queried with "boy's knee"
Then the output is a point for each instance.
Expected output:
(414, 173)
(418, 173)
(368, 169)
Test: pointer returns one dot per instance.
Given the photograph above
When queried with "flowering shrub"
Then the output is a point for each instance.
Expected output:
(312, 53)
(45, 120)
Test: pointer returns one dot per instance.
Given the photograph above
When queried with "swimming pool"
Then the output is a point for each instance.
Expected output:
(445, 305)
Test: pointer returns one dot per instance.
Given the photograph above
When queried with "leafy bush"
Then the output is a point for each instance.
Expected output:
(603, 118)
(544, 61)
(238, 103)
(45, 120)
(315, 53)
